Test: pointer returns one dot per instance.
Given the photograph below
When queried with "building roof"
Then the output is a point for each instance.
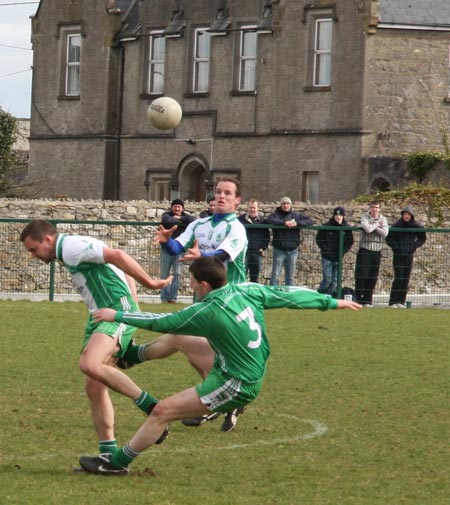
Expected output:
(415, 12)
(130, 17)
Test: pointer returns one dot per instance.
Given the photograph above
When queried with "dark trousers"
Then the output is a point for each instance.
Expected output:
(253, 260)
(366, 274)
(402, 271)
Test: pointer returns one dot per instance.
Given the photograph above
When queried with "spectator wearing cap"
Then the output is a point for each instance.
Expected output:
(328, 241)
(285, 240)
(175, 216)
(408, 235)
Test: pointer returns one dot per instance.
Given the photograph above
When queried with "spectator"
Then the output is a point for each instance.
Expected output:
(175, 216)
(286, 240)
(404, 244)
(374, 230)
(328, 242)
(258, 239)
(211, 208)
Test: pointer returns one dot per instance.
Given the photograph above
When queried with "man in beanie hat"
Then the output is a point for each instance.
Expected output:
(404, 244)
(328, 242)
(285, 240)
(175, 216)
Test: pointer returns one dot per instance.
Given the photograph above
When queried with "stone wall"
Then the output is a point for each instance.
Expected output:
(22, 275)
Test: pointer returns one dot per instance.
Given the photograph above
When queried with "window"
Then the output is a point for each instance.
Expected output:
(73, 59)
(158, 185)
(310, 187)
(322, 52)
(157, 52)
(247, 59)
(202, 47)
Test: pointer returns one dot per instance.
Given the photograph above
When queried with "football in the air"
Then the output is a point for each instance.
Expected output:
(164, 113)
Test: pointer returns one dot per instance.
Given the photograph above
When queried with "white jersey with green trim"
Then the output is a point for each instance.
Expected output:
(232, 319)
(99, 284)
(227, 234)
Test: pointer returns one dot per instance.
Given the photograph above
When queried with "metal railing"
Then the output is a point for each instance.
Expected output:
(25, 277)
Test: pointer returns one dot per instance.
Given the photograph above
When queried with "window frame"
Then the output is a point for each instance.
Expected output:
(70, 65)
(152, 62)
(200, 60)
(64, 32)
(319, 53)
(155, 180)
(310, 188)
(243, 59)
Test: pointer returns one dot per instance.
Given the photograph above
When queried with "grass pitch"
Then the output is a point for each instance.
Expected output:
(354, 410)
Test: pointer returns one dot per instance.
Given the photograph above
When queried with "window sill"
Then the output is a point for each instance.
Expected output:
(316, 88)
(68, 97)
(243, 93)
(150, 96)
(196, 95)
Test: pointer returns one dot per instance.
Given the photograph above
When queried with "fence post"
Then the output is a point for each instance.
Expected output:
(51, 292)
(340, 264)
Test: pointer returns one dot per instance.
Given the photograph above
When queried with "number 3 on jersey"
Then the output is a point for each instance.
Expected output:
(253, 325)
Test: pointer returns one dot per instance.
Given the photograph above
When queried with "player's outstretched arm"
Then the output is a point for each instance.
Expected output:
(132, 268)
(162, 235)
(104, 315)
(348, 304)
(192, 253)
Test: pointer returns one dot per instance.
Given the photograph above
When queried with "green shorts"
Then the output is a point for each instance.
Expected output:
(220, 393)
(122, 331)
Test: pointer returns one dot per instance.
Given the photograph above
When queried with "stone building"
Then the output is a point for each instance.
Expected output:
(314, 100)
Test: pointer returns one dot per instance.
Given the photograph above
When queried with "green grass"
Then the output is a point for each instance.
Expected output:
(375, 381)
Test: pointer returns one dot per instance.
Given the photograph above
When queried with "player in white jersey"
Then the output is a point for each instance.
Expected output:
(104, 277)
(221, 235)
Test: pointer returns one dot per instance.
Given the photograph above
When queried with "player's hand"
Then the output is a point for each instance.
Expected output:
(160, 283)
(348, 304)
(104, 315)
(162, 235)
(192, 254)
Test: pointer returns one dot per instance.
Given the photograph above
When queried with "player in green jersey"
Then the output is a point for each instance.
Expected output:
(231, 318)
(104, 277)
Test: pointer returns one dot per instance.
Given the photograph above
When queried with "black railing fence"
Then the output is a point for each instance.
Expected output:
(25, 277)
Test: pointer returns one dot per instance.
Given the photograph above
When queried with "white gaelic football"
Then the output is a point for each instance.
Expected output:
(164, 113)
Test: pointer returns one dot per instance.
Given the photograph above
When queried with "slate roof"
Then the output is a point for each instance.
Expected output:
(415, 12)
(130, 16)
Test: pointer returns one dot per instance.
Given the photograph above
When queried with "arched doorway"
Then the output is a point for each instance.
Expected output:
(194, 179)
(380, 184)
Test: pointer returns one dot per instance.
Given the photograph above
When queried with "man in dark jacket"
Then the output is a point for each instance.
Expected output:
(175, 216)
(404, 244)
(286, 240)
(328, 243)
(258, 239)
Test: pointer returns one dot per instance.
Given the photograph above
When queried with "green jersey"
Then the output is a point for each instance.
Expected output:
(232, 319)
(100, 284)
(227, 234)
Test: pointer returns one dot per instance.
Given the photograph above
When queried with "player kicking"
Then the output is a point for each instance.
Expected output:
(231, 318)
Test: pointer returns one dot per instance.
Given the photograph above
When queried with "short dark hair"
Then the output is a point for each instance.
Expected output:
(236, 182)
(209, 269)
(37, 229)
